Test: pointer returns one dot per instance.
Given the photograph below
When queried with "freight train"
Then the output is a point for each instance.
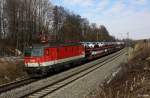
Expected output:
(40, 60)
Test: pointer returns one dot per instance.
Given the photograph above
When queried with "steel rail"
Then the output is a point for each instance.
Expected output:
(15, 84)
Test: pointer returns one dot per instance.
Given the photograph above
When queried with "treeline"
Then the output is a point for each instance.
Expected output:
(23, 21)
(73, 27)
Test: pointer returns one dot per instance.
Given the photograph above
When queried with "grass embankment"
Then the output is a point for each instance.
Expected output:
(135, 82)
(10, 70)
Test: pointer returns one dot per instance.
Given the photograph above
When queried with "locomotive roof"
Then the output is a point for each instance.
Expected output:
(55, 45)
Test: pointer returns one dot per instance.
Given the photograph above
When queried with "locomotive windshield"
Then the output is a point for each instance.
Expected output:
(34, 52)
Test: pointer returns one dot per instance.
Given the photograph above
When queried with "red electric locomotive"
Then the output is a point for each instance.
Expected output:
(42, 59)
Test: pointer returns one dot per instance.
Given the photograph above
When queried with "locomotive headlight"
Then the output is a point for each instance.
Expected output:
(32, 61)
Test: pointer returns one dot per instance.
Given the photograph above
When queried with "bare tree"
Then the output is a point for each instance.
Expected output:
(2, 19)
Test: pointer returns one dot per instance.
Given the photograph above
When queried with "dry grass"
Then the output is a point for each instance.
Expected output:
(10, 71)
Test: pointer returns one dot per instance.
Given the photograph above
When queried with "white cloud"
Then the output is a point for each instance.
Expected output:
(140, 2)
(136, 23)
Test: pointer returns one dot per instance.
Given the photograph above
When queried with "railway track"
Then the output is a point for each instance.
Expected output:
(51, 84)
(15, 84)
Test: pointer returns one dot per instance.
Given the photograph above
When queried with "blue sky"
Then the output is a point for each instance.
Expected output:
(119, 16)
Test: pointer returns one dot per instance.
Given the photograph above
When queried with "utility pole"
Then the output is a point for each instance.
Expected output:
(127, 45)
(127, 41)
(97, 35)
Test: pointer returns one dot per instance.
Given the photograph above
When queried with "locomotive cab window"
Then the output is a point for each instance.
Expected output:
(34, 52)
(27, 52)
